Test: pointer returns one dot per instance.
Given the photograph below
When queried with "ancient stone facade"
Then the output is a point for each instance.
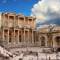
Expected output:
(20, 31)
(17, 30)
(49, 37)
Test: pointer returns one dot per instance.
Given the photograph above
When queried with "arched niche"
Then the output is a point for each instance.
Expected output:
(42, 40)
(57, 40)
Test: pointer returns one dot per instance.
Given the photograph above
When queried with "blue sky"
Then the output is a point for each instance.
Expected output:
(17, 6)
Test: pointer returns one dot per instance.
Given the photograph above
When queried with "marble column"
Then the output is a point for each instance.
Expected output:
(46, 41)
(28, 36)
(32, 36)
(3, 34)
(18, 35)
(24, 35)
(8, 36)
(54, 43)
(14, 37)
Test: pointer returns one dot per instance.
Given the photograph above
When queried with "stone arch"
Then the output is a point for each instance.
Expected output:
(42, 40)
(57, 40)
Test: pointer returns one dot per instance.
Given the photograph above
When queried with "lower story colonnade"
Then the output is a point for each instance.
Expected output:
(18, 36)
(29, 37)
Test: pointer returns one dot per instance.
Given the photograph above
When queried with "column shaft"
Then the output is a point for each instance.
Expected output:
(8, 35)
(8, 20)
(24, 30)
(4, 21)
(39, 40)
(18, 21)
(32, 37)
(21, 35)
(46, 42)
(18, 35)
(14, 37)
(3, 35)
(54, 43)
(24, 35)
(28, 36)
(14, 22)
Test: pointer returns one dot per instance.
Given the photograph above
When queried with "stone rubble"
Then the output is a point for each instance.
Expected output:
(30, 55)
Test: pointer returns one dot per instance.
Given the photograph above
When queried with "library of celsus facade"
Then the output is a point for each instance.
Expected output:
(17, 30)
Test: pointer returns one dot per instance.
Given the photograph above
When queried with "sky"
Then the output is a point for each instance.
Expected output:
(45, 11)
(17, 6)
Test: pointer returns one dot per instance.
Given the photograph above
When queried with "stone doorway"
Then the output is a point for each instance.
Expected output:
(58, 49)
(42, 38)
(57, 39)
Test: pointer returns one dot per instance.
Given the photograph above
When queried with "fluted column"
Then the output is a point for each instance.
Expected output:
(28, 22)
(14, 22)
(24, 20)
(46, 45)
(24, 35)
(32, 37)
(8, 20)
(21, 36)
(14, 37)
(28, 36)
(24, 30)
(8, 29)
(3, 34)
(54, 42)
(32, 23)
(3, 21)
(3, 27)
(18, 21)
(39, 40)
(18, 35)
(8, 36)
